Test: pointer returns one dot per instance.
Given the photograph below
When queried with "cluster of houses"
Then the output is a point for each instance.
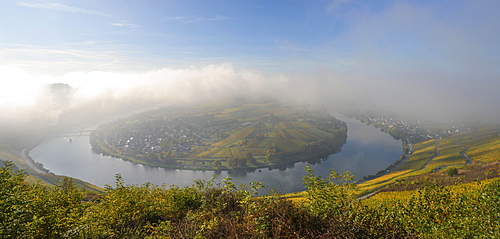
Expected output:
(416, 131)
(174, 135)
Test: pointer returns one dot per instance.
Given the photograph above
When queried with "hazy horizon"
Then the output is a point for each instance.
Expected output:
(63, 61)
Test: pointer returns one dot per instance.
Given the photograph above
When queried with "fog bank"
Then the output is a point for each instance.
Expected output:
(80, 98)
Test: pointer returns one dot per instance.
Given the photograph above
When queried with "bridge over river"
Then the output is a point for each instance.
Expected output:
(73, 133)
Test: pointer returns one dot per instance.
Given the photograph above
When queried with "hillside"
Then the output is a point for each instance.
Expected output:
(474, 154)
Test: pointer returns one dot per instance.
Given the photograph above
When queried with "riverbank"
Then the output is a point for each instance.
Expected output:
(35, 166)
(407, 151)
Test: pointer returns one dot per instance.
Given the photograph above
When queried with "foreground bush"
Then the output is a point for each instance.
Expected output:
(36, 211)
(205, 210)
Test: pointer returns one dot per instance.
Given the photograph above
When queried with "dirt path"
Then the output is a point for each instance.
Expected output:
(369, 195)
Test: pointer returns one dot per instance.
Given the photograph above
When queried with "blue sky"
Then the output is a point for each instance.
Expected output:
(266, 35)
(373, 53)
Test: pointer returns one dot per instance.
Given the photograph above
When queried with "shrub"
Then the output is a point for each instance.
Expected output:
(452, 172)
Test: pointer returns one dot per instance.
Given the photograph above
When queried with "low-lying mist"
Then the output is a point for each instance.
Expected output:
(82, 99)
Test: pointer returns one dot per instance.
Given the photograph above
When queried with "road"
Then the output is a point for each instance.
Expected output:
(24, 155)
(436, 153)
(463, 153)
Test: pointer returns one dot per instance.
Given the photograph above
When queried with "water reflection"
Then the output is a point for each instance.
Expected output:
(366, 151)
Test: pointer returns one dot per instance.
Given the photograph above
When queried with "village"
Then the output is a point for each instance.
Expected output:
(416, 131)
(172, 135)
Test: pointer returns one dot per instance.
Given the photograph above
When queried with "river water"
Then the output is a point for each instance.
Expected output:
(367, 151)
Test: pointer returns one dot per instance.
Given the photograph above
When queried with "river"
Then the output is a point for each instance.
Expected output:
(367, 151)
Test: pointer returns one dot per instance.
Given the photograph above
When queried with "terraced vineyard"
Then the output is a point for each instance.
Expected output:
(432, 159)
(222, 136)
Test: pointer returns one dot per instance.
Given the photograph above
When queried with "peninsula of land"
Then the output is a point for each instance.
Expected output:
(222, 136)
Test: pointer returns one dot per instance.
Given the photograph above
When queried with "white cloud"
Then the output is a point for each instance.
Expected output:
(125, 24)
(25, 99)
(451, 70)
(58, 7)
(185, 19)
(85, 43)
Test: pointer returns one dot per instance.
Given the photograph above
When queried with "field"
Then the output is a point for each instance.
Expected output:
(393, 197)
